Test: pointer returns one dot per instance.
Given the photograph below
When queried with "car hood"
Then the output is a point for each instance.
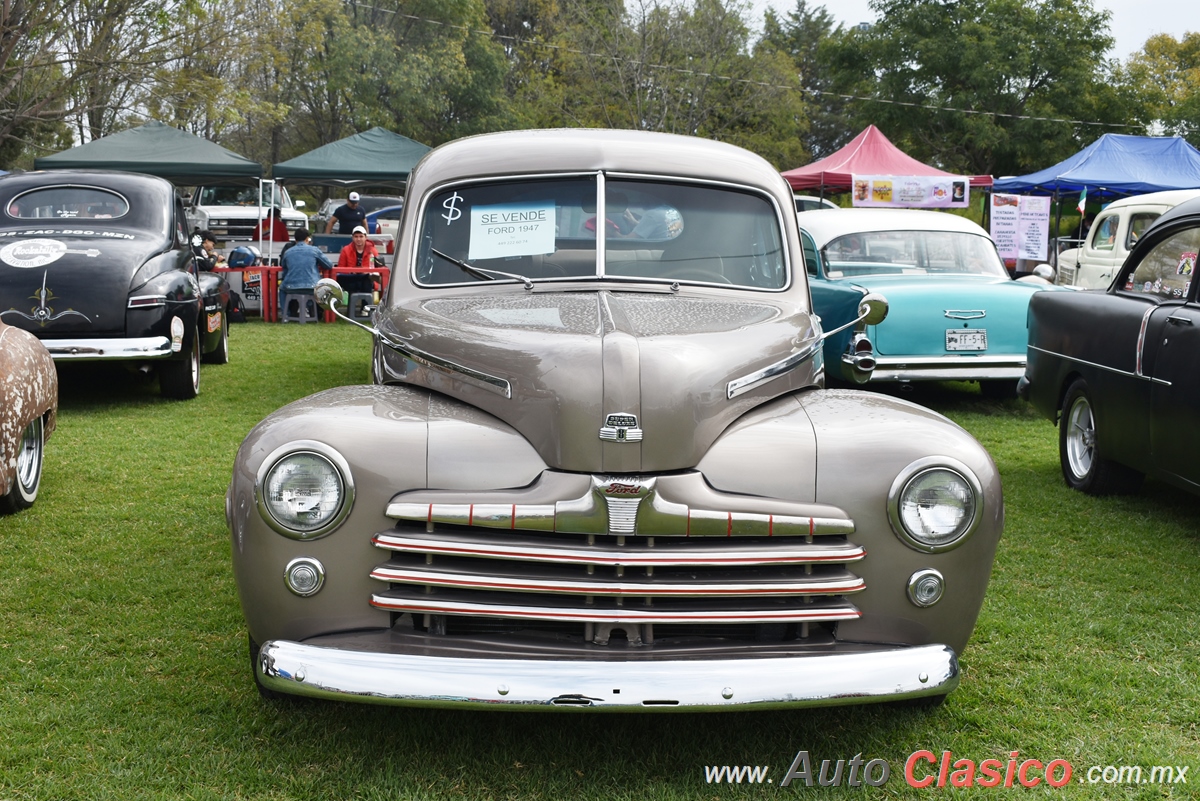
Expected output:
(922, 309)
(572, 359)
(55, 284)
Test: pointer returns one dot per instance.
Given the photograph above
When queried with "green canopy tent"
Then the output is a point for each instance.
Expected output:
(376, 157)
(158, 149)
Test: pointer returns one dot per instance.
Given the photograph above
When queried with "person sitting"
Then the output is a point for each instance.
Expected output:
(348, 217)
(204, 247)
(272, 228)
(360, 252)
(301, 266)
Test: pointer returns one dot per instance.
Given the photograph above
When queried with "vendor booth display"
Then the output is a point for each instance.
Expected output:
(881, 174)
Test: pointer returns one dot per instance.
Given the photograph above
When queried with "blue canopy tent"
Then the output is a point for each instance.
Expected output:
(1115, 165)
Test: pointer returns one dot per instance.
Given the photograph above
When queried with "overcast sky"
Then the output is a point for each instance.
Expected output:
(1132, 23)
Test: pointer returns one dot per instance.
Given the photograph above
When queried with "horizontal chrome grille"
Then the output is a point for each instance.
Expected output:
(617, 553)
(563, 609)
(567, 550)
(568, 579)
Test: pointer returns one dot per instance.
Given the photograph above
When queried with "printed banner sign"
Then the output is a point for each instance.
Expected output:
(512, 229)
(1021, 226)
(911, 191)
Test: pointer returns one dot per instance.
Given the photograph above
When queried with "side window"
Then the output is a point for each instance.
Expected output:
(181, 234)
(1167, 270)
(1105, 236)
(1138, 223)
(810, 253)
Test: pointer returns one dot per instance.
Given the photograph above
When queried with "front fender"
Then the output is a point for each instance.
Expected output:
(847, 449)
(394, 439)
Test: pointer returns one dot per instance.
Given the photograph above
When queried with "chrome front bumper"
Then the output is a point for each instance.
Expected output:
(104, 349)
(827, 678)
(949, 368)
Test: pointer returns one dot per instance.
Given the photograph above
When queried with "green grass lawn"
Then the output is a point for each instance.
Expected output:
(124, 674)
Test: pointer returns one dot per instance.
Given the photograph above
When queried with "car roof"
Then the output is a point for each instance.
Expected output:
(576, 150)
(825, 225)
(1169, 198)
(1186, 209)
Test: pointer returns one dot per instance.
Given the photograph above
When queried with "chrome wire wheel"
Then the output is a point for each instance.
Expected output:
(1080, 437)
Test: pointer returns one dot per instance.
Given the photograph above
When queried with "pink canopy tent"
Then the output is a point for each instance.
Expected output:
(869, 153)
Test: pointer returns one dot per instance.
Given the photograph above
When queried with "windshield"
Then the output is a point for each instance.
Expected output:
(243, 196)
(912, 253)
(654, 231)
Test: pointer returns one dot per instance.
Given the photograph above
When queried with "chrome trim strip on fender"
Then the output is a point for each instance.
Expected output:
(1106, 368)
(633, 685)
(748, 382)
(98, 349)
(1141, 341)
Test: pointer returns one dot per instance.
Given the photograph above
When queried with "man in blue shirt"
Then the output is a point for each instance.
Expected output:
(302, 265)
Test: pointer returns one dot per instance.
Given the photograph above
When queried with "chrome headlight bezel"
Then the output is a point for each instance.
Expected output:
(340, 469)
(923, 467)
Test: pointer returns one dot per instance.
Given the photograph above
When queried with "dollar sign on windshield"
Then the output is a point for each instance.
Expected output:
(452, 210)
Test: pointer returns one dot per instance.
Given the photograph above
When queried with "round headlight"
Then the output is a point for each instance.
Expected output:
(933, 507)
(305, 493)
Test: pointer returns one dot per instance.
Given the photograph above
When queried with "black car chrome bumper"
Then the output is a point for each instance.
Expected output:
(105, 349)
(835, 676)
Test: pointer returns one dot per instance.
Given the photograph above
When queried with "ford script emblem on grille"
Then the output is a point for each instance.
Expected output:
(622, 495)
(621, 428)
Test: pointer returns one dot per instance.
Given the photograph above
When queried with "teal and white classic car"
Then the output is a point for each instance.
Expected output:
(954, 312)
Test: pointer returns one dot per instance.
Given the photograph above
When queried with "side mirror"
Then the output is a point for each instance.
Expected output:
(873, 309)
(298, 204)
(327, 291)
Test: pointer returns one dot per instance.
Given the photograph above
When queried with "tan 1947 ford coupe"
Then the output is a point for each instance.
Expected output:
(597, 468)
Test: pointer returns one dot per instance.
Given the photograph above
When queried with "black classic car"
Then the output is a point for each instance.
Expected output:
(1117, 368)
(98, 266)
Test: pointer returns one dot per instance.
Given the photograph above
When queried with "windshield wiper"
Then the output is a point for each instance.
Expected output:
(481, 273)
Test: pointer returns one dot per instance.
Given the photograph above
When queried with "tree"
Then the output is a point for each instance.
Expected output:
(800, 34)
(676, 67)
(1164, 75)
(34, 90)
(983, 86)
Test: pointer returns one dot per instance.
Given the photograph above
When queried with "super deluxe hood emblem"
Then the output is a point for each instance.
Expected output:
(621, 427)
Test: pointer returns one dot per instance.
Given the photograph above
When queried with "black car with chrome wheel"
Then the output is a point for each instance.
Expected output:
(1117, 368)
(96, 264)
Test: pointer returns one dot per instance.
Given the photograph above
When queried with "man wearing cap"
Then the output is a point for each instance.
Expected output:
(347, 216)
(360, 252)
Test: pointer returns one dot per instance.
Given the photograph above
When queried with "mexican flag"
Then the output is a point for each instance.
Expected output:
(1082, 200)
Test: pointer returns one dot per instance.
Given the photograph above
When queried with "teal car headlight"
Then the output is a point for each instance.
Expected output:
(304, 490)
(934, 504)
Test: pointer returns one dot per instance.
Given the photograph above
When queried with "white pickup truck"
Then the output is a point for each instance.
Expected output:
(1114, 232)
(232, 212)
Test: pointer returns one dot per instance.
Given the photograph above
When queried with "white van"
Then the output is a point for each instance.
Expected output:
(1114, 232)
